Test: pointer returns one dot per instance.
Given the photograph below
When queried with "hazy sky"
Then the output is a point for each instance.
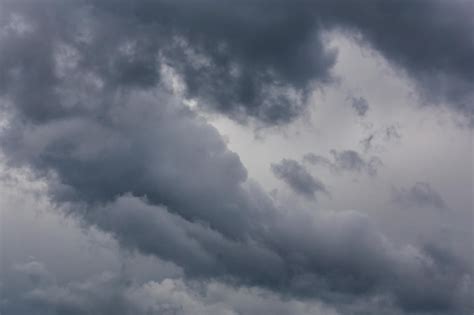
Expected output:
(236, 157)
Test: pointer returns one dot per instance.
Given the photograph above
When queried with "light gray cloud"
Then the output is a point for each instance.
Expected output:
(81, 84)
(337, 257)
(391, 133)
(261, 62)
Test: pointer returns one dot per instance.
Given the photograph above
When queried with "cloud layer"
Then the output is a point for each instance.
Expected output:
(253, 59)
(96, 97)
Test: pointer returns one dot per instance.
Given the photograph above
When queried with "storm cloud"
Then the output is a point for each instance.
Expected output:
(113, 293)
(255, 59)
(137, 175)
(96, 94)
(421, 194)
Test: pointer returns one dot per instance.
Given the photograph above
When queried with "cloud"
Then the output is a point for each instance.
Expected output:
(82, 87)
(360, 105)
(161, 181)
(147, 145)
(260, 63)
(252, 60)
(322, 256)
(298, 178)
(112, 293)
(330, 258)
(346, 160)
(419, 195)
(410, 40)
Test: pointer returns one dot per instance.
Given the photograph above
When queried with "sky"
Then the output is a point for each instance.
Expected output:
(236, 157)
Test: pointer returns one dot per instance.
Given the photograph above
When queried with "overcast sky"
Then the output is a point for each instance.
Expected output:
(236, 157)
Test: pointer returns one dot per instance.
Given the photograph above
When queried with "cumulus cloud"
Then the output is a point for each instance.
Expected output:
(298, 178)
(328, 258)
(336, 257)
(252, 59)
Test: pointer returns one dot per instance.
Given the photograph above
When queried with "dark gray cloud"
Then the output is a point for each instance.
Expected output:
(230, 58)
(115, 293)
(138, 173)
(407, 33)
(335, 256)
(273, 44)
(419, 195)
(253, 59)
(298, 178)
(391, 133)
(81, 83)
(360, 105)
(367, 142)
(345, 160)
(147, 145)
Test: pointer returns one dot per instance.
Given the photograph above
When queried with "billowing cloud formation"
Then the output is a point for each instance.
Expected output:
(332, 241)
(298, 178)
(254, 58)
(407, 33)
(293, 253)
(83, 85)
(346, 160)
(236, 63)
(360, 105)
